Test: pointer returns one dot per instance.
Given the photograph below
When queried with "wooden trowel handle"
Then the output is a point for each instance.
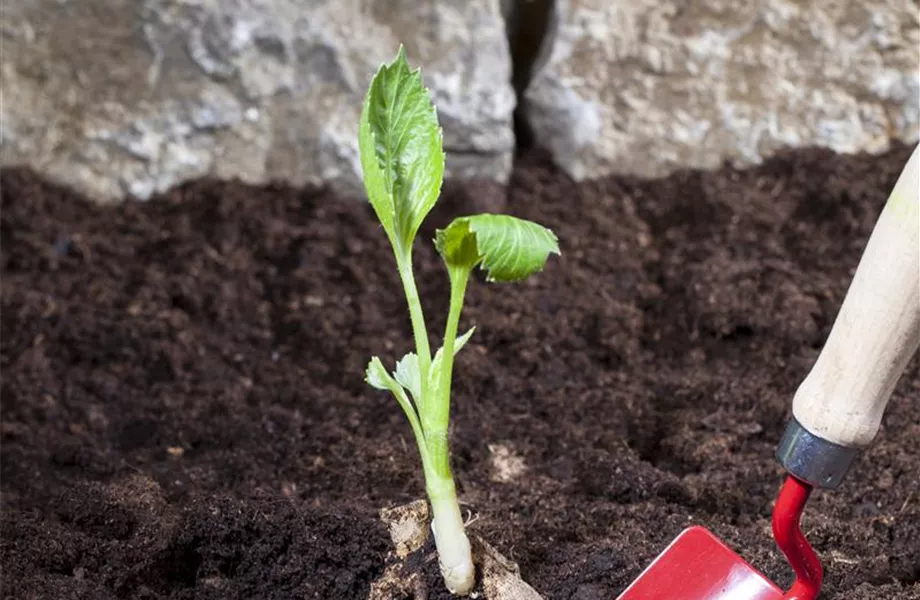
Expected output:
(877, 330)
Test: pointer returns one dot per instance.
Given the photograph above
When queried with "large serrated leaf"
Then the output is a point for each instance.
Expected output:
(508, 248)
(400, 145)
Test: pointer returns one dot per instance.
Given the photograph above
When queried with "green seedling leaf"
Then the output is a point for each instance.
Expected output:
(458, 345)
(400, 145)
(508, 248)
(378, 377)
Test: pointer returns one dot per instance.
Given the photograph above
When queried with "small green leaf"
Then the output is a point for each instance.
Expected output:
(509, 249)
(459, 343)
(462, 340)
(408, 375)
(400, 147)
(434, 375)
(377, 376)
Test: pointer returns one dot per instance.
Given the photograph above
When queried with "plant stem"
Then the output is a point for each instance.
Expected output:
(419, 331)
(439, 411)
(417, 430)
(454, 553)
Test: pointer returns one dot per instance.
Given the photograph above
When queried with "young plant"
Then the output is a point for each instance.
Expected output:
(402, 159)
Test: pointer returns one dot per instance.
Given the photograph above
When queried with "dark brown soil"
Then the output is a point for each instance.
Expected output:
(184, 414)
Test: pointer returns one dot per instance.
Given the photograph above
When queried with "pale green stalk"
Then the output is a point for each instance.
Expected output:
(419, 330)
(448, 526)
(440, 411)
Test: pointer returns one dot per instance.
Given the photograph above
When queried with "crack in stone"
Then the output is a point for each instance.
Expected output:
(529, 25)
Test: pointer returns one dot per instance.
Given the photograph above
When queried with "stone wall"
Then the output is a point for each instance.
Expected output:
(648, 86)
(130, 97)
(126, 98)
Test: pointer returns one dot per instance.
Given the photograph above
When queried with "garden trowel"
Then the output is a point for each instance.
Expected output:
(836, 410)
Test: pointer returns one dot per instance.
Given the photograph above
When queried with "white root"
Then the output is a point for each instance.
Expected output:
(454, 554)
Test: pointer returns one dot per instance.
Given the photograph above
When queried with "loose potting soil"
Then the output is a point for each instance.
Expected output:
(184, 413)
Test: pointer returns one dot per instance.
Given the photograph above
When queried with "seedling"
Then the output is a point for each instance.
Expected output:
(402, 158)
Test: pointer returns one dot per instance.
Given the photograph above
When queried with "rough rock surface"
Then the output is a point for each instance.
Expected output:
(127, 97)
(645, 86)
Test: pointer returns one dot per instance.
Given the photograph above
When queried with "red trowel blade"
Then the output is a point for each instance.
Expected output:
(697, 566)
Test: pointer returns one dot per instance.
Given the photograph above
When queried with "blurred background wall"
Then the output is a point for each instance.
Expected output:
(126, 98)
